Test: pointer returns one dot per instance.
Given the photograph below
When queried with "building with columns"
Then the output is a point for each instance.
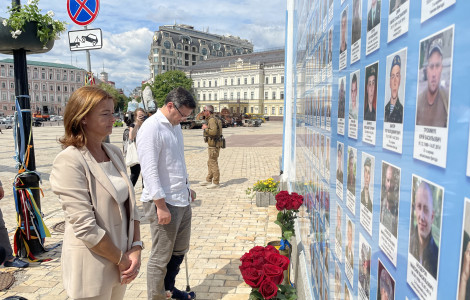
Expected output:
(250, 83)
(50, 86)
(177, 46)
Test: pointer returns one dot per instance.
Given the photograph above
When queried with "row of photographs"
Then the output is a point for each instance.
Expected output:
(432, 104)
(424, 235)
(398, 23)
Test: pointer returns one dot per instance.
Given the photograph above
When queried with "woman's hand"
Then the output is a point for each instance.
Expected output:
(131, 266)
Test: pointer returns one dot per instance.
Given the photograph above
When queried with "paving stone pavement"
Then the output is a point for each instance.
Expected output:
(226, 222)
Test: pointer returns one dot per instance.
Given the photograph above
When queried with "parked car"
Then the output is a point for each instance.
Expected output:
(6, 124)
(37, 122)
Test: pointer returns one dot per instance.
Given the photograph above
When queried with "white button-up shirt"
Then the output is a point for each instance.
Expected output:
(160, 149)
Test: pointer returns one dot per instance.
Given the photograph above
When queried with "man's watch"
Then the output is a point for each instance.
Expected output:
(138, 243)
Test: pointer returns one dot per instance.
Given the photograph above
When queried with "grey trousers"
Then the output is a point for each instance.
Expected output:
(4, 239)
(167, 240)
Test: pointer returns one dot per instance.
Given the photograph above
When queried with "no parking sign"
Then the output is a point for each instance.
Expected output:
(83, 12)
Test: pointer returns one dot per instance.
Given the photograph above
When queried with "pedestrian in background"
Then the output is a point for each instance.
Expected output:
(139, 118)
(166, 195)
(101, 248)
(9, 259)
(212, 131)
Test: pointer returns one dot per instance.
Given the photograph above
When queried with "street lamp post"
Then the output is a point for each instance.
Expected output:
(28, 179)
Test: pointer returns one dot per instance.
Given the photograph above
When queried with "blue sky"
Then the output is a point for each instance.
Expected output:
(128, 27)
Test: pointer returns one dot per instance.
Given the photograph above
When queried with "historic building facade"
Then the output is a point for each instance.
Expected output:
(251, 83)
(50, 86)
(177, 46)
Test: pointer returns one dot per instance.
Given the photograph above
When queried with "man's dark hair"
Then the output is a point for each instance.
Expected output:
(344, 14)
(181, 97)
(354, 79)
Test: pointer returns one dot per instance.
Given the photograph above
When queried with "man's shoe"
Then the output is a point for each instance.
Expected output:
(205, 183)
(213, 186)
(16, 263)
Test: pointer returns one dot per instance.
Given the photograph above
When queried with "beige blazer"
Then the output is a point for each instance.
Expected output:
(88, 199)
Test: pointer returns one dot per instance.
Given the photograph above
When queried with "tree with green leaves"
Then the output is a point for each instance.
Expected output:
(166, 82)
(121, 100)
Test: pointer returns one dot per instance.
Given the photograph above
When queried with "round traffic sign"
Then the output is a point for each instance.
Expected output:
(83, 12)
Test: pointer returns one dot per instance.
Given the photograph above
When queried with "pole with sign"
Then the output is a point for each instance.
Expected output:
(83, 13)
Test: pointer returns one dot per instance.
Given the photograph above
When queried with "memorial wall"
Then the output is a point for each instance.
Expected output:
(381, 93)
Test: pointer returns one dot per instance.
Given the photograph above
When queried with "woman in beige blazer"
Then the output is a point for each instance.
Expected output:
(101, 249)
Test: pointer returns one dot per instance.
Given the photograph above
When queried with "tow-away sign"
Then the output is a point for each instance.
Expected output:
(85, 39)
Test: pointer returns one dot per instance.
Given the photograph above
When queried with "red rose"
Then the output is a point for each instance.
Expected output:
(268, 289)
(278, 260)
(252, 277)
(274, 273)
(270, 249)
(297, 203)
(258, 262)
(246, 265)
(280, 204)
(257, 249)
(246, 257)
(289, 204)
(282, 194)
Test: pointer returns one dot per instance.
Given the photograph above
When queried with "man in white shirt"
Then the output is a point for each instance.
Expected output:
(166, 195)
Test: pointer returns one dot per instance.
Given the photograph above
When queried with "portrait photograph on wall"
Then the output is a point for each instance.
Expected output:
(463, 289)
(389, 208)
(395, 82)
(369, 125)
(339, 169)
(339, 233)
(343, 43)
(341, 104)
(351, 180)
(367, 191)
(373, 25)
(349, 250)
(433, 97)
(356, 31)
(353, 122)
(385, 284)
(364, 269)
(425, 237)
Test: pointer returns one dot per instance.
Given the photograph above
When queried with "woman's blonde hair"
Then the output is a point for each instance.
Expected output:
(82, 101)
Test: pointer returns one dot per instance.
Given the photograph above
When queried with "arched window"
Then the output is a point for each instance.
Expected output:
(167, 44)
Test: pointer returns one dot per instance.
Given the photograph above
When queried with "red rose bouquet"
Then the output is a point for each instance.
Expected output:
(263, 269)
(288, 206)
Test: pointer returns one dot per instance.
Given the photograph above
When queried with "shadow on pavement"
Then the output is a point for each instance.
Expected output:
(234, 181)
(211, 280)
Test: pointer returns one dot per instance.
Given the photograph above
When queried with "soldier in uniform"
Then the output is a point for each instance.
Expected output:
(356, 22)
(370, 94)
(389, 205)
(341, 101)
(433, 103)
(365, 195)
(344, 23)
(373, 17)
(211, 132)
(394, 109)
